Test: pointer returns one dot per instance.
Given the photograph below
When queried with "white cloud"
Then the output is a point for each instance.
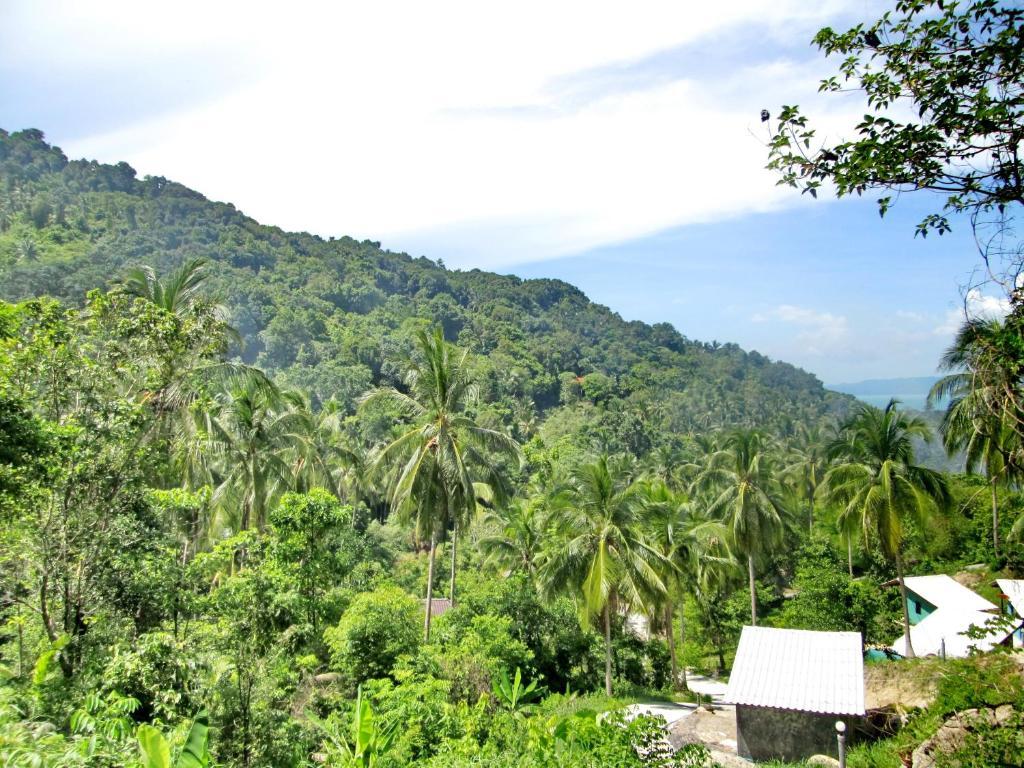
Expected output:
(819, 332)
(913, 317)
(976, 305)
(441, 126)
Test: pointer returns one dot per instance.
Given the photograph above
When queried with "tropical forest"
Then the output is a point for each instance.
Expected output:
(273, 499)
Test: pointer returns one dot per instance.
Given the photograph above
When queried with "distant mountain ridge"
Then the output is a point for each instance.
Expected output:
(334, 316)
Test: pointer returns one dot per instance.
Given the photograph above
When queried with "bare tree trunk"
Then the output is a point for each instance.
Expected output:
(607, 649)
(995, 519)
(810, 516)
(682, 644)
(671, 645)
(430, 587)
(906, 609)
(849, 554)
(455, 541)
(21, 650)
(753, 590)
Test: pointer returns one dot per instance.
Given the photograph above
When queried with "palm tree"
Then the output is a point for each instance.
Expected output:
(514, 535)
(597, 551)
(322, 461)
(246, 445)
(807, 463)
(879, 486)
(196, 368)
(976, 420)
(177, 293)
(444, 454)
(688, 543)
(742, 480)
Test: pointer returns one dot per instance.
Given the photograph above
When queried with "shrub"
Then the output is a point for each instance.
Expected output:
(377, 628)
(159, 672)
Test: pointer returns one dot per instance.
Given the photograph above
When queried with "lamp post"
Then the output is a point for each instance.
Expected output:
(841, 736)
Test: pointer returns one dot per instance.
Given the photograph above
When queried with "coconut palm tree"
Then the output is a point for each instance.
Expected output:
(596, 550)
(443, 456)
(806, 465)
(245, 445)
(976, 419)
(194, 369)
(742, 483)
(688, 542)
(178, 293)
(513, 537)
(878, 485)
(321, 463)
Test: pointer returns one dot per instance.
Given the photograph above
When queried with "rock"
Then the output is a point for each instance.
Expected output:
(1004, 713)
(823, 760)
(950, 737)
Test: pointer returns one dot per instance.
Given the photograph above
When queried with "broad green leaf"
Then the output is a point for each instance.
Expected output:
(195, 753)
(153, 747)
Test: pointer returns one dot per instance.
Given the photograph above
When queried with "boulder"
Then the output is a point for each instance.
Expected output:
(951, 736)
(824, 761)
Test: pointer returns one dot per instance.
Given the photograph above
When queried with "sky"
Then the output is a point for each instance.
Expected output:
(617, 146)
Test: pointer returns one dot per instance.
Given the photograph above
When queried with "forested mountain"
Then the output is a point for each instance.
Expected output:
(328, 315)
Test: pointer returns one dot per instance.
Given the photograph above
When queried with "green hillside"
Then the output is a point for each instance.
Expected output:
(327, 315)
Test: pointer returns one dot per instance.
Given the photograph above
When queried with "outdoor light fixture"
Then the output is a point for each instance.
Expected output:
(841, 735)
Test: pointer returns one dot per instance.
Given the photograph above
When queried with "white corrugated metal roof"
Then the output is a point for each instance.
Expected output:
(799, 669)
(946, 592)
(1014, 591)
(947, 624)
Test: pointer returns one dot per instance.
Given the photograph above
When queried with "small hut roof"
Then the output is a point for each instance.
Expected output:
(799, 669)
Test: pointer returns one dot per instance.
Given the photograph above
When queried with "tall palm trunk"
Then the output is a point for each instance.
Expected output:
(849, 555)
(995, 519)
(430, 587)
(682, 644)
(906, 609)
(455, 541)
(671, 644)
(753, 590)
(607, 649)
(810, 515)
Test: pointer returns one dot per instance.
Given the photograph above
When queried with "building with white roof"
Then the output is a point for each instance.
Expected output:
(942, 612)
(1011, 595)
(790, 686)
(943, 634)
(927, 594)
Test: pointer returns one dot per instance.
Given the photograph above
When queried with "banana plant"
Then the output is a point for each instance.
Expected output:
(514, 696)
(195, 753)
(370, 741)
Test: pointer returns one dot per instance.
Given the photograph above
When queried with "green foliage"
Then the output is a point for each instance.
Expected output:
(986, 744)
(513, 695)
(955, 68)
(826, 599)
(156, 752)
(377, 629)
(158, 672)
(181, 527)
(473, 655)
(335, 315)
(369, 743)
(316, 545)
(988, 681)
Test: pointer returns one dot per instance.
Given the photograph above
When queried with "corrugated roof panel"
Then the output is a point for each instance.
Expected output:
(799, 669)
